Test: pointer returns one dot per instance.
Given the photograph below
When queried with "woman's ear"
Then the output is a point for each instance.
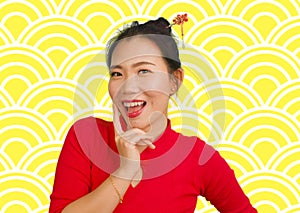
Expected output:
(176, 80)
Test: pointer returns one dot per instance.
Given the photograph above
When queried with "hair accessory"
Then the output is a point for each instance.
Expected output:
(179, 20)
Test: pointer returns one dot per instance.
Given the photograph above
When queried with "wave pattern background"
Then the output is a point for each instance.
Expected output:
(254, 46)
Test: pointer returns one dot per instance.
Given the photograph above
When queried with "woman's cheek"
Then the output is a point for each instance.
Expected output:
(112, 88)
(158, 81)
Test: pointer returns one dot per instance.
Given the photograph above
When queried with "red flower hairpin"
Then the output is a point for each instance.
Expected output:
(179, 20)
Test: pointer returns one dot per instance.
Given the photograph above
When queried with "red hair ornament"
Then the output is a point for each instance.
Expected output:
(179, 20)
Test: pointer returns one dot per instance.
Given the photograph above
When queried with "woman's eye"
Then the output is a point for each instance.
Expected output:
(144, 71)
(115, 74)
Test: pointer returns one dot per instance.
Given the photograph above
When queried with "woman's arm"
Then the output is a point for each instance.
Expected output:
(104, 198)
(222, 188)
(110, 193)
(71, 190)
(72, 186)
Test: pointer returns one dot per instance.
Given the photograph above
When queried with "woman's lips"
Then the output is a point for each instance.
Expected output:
(134, 107)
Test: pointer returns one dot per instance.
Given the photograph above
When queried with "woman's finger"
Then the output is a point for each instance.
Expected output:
(142, 140)
(131, 136)
(146, 142)
(135, 135)
(116, 120)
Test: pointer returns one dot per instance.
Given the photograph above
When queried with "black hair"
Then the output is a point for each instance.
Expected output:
(159, 31)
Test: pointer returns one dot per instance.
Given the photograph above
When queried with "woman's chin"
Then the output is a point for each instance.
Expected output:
(140, 124)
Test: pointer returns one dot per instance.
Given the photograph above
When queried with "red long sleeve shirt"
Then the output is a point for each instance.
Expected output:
(178, 170)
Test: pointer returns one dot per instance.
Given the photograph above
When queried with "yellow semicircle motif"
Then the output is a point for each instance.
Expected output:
(241, 89)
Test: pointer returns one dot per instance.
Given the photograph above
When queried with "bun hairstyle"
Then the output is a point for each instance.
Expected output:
(159, 31)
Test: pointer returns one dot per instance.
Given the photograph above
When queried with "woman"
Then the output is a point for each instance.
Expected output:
(140, 164)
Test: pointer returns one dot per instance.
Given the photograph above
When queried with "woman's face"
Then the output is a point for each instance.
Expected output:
(140, 84)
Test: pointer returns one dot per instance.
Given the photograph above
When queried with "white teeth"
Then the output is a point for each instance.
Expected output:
(132, 104)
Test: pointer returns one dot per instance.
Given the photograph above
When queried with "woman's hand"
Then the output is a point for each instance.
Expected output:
(129, 144)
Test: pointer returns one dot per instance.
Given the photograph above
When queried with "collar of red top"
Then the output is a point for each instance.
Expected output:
(165, 141)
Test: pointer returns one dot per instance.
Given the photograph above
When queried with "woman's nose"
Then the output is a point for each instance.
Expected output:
(131, 85)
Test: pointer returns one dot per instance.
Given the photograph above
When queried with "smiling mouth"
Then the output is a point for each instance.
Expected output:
(134, 107)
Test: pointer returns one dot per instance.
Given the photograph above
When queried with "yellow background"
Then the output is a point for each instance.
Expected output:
(254, 46)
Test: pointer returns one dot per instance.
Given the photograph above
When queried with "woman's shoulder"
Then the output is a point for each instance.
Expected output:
(93, 128)
(199, 148)
(197, 142)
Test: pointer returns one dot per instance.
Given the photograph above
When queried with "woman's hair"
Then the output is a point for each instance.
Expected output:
(158, 31)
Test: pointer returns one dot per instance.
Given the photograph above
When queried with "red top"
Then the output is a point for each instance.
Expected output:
(178, 170)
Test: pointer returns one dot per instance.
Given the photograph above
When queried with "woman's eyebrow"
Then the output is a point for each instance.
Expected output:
(115, 67)
(133, 65)
(143, 63)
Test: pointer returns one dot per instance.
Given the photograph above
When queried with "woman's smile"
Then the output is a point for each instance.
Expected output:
(134, 107)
